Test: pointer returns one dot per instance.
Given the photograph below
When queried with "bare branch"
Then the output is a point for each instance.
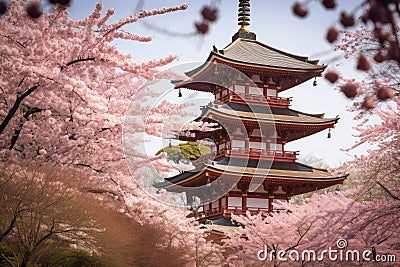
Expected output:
(388, 191)
(80, 60)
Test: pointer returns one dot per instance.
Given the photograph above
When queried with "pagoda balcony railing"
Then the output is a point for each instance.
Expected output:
(273, 101)
(261, 154)
(229, 210)
(209, 157)
(203, 159)
(252, 153)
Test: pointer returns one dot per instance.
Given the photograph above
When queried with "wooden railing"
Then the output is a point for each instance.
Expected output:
(229, 210)
(255, 153)
(203, 159)
(206, 158)
(252, 153)
(273, 101)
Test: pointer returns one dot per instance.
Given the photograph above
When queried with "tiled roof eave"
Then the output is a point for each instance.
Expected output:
(279, 176)
(301, 58)
(267, 175)
(318, 69)
(215, 56)
(272, 120)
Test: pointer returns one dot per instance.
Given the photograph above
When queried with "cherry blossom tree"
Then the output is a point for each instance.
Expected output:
(280, 231)
(286, 238)
(85, 80)
(381, 81)
(65, 89)
(375, 43)
(39, 205)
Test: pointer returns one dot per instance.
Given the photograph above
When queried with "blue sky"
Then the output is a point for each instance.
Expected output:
(274, 25)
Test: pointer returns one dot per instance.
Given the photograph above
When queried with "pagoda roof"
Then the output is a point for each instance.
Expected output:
(252, 52)
(266, 114)
(246, 54)
(284, 170)
(270, 170)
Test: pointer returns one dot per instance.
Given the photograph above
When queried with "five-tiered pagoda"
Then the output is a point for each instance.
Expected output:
(253, 125)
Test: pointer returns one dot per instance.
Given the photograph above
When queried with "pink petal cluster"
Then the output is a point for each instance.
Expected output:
(65, 91)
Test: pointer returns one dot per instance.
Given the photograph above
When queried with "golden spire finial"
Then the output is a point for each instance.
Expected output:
(244, 22)
(244, 15)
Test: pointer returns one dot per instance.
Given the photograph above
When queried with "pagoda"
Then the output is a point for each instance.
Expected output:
(249, 169)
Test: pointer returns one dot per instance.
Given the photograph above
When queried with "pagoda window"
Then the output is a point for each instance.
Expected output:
(276, 147)
(271, 92)
(240, 89)
(234, 202)
(257, 203)
(238, 144)
(224, 92)
(257, 145)
(254, 90)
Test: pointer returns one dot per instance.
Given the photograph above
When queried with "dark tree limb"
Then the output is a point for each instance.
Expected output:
(49, 234)
(88, 166)
(78, 60)
(388, 191)
(10, 227)
(7, 260)
(17, 132)
(14, 108)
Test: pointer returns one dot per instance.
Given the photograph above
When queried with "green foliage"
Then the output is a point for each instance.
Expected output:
(185, 152)
(24, 108)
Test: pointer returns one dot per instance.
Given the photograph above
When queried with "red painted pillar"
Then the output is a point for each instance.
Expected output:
(244, 202)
